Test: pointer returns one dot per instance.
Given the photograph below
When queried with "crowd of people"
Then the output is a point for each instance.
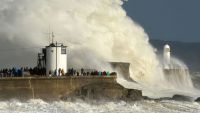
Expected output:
(21, 72)
(14, 72)
(73, 72)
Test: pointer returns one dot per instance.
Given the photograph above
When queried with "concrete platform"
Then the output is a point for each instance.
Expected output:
(56, 88)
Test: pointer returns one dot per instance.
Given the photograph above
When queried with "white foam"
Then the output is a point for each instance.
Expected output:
(39, 106)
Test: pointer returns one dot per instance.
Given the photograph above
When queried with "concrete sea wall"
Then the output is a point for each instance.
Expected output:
(55, 88)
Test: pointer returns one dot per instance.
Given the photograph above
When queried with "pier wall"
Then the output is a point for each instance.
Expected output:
(56, 88)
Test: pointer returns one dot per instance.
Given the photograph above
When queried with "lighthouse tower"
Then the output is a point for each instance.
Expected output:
(56, 58)
(166, 55)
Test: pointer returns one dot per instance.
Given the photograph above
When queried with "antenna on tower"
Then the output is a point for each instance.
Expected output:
(52, 36)
(49, 34)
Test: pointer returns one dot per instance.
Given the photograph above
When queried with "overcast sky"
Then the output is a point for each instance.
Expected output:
(167, 19)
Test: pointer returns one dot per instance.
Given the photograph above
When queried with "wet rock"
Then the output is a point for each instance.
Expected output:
(106, 91)
(198, 99)
(182, 98)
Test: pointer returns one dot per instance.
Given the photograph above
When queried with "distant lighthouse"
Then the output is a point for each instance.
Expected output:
(166, 55)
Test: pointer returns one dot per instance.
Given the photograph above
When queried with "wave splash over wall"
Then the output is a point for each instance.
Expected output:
(94, 30)
(179, 75)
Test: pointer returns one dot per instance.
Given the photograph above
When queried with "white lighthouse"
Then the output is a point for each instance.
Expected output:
(56, 58)
(166, 55)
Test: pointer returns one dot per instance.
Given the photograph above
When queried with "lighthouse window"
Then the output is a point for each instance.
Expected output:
(63, 51)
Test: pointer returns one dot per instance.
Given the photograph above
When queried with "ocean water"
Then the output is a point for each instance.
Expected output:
(79, 106)
(102, 106)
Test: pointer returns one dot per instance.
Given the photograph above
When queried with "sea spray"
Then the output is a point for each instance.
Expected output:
(178, 75)
(94, 30)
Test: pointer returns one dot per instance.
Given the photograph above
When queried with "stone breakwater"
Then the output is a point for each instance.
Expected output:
(56, 88)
